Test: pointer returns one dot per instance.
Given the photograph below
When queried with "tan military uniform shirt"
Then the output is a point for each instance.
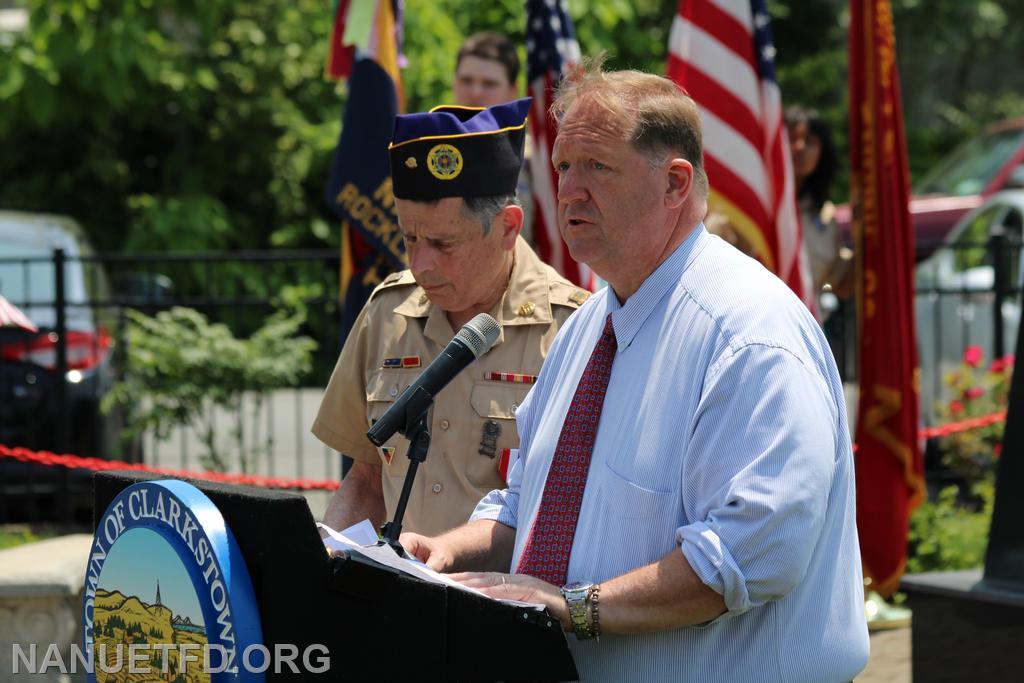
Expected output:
(472, 420)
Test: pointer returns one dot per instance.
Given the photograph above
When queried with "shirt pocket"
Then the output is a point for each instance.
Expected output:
(634, 501)
(493, 402)
(383, 388)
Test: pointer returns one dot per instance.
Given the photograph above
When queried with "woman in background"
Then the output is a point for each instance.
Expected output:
(814, 169)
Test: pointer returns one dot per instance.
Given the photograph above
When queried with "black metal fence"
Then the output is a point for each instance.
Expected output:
(51, 382)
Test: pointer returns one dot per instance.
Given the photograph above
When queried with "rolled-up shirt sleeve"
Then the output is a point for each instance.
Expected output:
(502, 505)
(757, 474)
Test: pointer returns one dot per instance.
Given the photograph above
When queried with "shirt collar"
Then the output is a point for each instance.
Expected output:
(526, 300)
(628, 318)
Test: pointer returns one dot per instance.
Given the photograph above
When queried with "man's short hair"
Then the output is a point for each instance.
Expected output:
(483, 210)
(658, 117)
(494, 47)
(486, 209)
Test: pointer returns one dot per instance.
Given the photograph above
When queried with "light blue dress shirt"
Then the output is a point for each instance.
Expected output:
(723, 436)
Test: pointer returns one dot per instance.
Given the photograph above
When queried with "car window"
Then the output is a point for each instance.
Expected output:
(970, 167)
(24, 278)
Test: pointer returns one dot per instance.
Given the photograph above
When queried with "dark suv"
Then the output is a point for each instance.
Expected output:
(30, 414)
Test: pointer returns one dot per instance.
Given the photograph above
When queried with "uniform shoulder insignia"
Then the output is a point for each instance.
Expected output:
(403, 277)
(579, 296)
(565, 293)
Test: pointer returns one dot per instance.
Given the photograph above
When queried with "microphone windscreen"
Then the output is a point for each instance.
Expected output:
(479, 334)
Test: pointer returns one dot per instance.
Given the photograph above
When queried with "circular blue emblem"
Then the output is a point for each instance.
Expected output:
(167, 593)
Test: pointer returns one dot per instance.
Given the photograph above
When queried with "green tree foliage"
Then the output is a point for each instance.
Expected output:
(180, 124)
(173, 124)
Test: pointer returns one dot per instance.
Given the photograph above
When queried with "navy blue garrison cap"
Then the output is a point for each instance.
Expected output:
(459, 151)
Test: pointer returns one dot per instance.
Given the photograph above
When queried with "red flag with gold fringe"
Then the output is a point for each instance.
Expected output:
(889, 466)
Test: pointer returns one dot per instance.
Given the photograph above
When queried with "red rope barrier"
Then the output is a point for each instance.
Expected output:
(98, 464)
(963, 425)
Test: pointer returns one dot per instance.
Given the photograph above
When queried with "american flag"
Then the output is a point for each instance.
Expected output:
(12, 316)
(551, 48)
(721, 52)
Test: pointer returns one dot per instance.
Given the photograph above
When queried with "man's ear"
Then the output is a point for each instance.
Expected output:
(680, 182)
(510, 222)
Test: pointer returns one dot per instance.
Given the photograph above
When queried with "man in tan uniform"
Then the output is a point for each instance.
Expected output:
(454, 172)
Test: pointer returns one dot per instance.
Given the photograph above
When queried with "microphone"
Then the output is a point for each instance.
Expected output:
(471, 342)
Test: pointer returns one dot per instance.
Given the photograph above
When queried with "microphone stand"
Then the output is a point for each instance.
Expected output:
(418, 433)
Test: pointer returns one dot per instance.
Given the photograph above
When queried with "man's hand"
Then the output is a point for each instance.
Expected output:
(483, 544)
(430, 551)
(519, 587)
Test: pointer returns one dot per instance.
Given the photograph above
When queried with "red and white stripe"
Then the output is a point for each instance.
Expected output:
(550, 246)
(12, 316)
(746, 148)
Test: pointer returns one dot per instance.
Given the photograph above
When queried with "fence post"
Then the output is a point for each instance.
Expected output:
(60, 385)
(997, 243)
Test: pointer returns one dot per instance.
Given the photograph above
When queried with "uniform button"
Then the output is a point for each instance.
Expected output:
(436, 488)
(393, 392)
(445, 424)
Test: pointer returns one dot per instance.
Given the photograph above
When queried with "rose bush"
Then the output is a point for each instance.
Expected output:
(976, 390)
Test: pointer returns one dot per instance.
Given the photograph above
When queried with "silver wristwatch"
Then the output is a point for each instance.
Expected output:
(575, 595)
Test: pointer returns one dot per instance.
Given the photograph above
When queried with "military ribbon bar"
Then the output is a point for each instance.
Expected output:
(514, 377)
(403, 362)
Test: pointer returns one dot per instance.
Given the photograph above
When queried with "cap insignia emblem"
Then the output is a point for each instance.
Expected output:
(444, 162)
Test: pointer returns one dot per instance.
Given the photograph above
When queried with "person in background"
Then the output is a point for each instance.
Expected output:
(814, 169)
(486, 69)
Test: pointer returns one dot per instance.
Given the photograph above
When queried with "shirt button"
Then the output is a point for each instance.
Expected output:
(445, 424)
(436, 488)
(393, 392)
(515, 407)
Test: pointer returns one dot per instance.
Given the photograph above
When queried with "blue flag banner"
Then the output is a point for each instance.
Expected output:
(359, 187)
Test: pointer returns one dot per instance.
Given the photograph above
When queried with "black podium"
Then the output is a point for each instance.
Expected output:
(377, 624)
(969, 625)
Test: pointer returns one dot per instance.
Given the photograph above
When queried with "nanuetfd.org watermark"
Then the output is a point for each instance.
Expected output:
(144, 658)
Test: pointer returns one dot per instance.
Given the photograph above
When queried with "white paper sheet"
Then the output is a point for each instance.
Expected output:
(347, 540)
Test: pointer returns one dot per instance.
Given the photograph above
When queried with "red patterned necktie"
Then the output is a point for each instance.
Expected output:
(546, 554)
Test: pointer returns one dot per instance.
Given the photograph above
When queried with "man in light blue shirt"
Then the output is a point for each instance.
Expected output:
(716, 537)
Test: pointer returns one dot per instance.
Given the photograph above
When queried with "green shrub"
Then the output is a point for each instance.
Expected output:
(949, 534)
(180, 367)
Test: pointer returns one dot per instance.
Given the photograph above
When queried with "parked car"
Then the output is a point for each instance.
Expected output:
(30, 413)
(987, 163)
(956, 292)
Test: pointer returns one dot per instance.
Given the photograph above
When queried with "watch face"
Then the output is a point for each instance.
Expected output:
(577, 585)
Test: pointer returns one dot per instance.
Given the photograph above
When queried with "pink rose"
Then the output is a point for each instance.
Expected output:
(998, 365)
(973, 355)
(1008, 360)
(973, 393)
(956, 407)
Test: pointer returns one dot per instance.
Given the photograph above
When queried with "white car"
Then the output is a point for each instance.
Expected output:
(956, 293)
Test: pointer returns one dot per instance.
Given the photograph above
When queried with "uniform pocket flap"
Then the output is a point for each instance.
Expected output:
(492, 400)
(386, 385)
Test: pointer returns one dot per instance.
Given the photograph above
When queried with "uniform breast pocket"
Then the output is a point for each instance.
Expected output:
(383, 387)
(495, 407)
